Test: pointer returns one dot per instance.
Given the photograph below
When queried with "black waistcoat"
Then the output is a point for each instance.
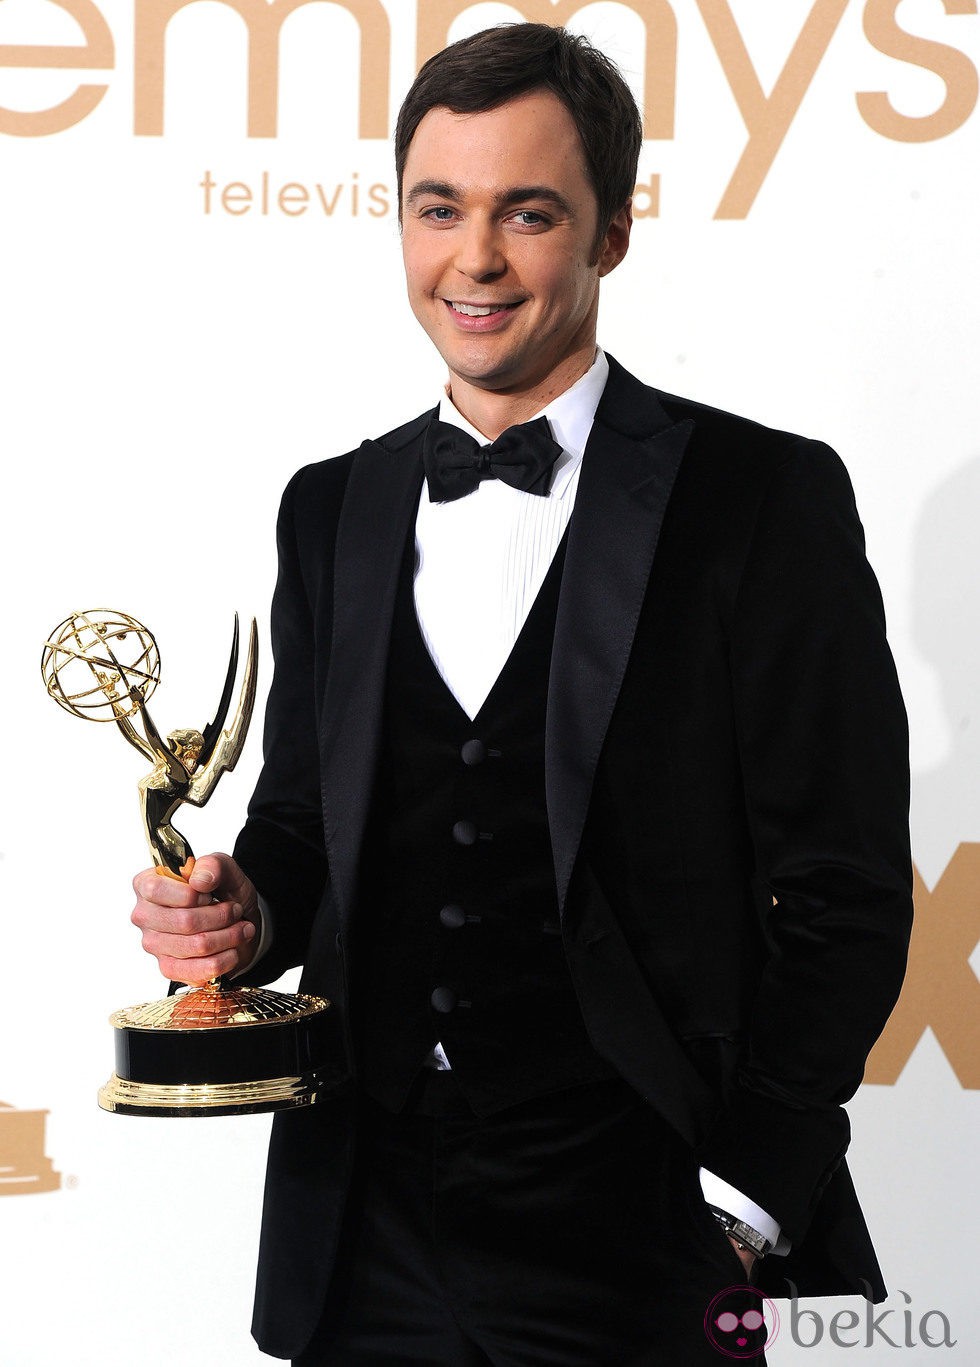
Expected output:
(459, 935)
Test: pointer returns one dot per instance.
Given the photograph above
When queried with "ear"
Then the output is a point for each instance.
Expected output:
(616, 241)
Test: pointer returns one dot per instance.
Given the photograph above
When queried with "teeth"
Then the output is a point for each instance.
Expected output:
(475, 311)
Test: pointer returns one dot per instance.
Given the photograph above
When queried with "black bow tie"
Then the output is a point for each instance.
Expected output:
(455, 462)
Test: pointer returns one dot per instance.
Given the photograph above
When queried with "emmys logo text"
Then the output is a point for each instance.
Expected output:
(766, 118)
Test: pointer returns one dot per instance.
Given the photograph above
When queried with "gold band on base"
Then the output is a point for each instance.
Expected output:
(209, 1098)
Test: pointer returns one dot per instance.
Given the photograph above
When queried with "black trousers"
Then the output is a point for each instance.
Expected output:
(568, 1231)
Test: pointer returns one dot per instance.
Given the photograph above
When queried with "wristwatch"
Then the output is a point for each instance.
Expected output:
(742, 1233)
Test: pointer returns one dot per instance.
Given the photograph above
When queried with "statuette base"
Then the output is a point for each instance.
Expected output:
(219, 1050)
(238, 1098)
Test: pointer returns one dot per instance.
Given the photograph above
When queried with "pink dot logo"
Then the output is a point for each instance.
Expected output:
(741, 1322)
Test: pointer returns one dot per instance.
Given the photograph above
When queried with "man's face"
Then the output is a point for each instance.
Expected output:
(499, 222)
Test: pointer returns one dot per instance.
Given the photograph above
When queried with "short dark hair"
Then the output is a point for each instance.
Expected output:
(498, 64)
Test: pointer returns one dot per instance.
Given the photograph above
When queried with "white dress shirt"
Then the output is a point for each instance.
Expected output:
(480, 560)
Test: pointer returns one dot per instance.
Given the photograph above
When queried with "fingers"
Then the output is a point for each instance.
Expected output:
(199, 929)
(155, 889)
(183, 921)
(196, 956)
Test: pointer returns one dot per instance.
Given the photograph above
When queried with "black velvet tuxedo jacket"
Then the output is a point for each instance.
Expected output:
(727, 783)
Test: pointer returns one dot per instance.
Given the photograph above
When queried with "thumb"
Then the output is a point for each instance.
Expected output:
(218, 874)
(207, 873)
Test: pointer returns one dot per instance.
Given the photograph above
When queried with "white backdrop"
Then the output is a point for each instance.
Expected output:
(179, 333)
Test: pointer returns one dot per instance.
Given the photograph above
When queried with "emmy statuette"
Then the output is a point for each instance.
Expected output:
(214, 1049)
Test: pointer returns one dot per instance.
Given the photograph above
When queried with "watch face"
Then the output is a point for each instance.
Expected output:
(752, 1239)
(738, 1229)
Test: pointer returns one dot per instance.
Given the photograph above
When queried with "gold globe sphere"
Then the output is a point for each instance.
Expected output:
(100, 664)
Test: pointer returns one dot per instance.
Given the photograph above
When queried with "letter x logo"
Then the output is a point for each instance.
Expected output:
(941, 990)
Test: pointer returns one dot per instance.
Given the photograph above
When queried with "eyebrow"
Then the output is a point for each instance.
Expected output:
(518, 194)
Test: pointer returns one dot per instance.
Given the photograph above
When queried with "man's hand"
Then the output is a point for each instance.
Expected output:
(745, 1255)
(200, 929)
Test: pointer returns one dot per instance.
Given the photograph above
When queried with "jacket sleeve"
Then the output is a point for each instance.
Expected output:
(823, 746)
(281, 846)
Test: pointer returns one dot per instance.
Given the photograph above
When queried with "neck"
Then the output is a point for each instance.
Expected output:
(492, 411)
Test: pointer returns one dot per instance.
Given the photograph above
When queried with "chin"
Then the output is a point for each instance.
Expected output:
(489, 372)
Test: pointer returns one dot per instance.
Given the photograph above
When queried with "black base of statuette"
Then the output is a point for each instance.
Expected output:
(226, 1068)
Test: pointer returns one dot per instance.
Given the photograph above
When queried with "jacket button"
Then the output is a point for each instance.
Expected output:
(473, 752)
(452, 917)
(464, 833)
(443, 1000)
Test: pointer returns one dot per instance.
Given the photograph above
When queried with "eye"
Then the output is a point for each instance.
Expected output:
(752, 1319)
(530, 218)
(727, 1322)
(440, 213)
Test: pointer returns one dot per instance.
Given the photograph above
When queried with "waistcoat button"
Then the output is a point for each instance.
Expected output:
(443, 1000)
(464, 833)
(452, 917)
(473, 752)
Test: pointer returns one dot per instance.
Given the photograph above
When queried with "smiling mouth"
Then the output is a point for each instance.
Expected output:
(478, 310)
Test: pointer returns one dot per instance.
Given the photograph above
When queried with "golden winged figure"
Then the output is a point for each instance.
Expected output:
(188, 764)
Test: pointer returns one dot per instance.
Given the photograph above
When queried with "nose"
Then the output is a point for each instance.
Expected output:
(479, 250)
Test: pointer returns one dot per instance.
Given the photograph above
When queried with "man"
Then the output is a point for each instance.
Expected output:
(585, 802)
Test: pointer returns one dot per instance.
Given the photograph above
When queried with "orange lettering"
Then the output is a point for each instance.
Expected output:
(97, 52)
(294, 199)
(954, 68)
(264, 20)
(768, 120)
(941, 990)
(329, 202)
(646, 199)
(379, 204)
(236, 198)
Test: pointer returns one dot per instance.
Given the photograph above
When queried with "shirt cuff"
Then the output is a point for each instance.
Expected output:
(717, 1192)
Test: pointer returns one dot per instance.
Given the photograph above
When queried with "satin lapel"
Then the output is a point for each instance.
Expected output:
(379, 506)
(619, 508)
